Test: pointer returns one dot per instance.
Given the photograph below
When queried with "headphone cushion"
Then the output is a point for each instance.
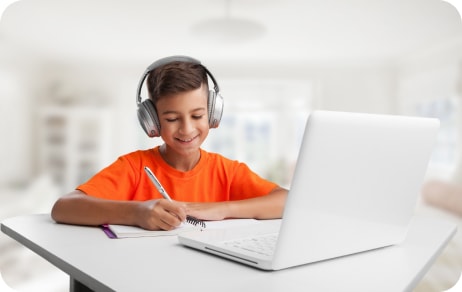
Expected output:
(211, 104)
(215, 108)
(148, 118)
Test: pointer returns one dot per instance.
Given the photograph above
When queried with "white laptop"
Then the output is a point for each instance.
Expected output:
(355, 186)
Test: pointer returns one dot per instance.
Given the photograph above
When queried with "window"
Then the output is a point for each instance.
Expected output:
(432, 92)
(262, 125)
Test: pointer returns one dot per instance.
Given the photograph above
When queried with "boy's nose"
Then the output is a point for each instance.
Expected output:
(186, 127)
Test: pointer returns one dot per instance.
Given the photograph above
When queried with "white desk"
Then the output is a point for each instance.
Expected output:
(161, 263)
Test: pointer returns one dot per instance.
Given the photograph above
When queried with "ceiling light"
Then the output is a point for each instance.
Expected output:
(228, 28)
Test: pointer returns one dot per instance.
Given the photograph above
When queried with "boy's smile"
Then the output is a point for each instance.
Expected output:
(184, 126)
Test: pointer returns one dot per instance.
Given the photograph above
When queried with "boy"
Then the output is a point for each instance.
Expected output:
(201, 184)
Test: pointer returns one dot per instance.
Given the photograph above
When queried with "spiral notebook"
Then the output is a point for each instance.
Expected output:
(355, 187)
(125, 231)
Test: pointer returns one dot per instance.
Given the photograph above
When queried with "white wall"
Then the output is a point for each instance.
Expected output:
(16, 141)
(349, 86)
(358, 88)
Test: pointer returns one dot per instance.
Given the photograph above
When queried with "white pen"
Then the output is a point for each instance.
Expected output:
(190, 219)
(157, 184)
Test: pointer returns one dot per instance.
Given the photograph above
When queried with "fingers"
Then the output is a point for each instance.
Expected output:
(165, 215)
(175, 209)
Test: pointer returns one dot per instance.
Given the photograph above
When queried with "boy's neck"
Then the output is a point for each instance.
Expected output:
(179, 162)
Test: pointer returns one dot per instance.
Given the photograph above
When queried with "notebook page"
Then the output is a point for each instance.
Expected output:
(124, 231)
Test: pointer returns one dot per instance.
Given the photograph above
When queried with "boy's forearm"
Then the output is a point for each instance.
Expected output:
(78, 208)
(270, 206)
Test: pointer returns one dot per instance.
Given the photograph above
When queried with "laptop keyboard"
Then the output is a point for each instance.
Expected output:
(264, 244)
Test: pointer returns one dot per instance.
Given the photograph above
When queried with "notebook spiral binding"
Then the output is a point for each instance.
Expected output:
(194, 221)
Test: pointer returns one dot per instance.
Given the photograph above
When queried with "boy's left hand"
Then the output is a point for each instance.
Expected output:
(207, 211)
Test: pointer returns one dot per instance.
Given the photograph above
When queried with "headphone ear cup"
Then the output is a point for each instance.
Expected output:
(147, 116)
(215, 108)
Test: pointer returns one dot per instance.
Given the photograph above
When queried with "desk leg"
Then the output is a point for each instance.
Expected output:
(76, 286)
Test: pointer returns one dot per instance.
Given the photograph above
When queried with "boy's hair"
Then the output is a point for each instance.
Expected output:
(175, 77)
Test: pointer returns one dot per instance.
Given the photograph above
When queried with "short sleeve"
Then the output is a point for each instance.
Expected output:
(117, 181)
(247, 184)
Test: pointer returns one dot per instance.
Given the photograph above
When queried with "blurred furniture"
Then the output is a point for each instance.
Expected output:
(446, 270)
(74, 142)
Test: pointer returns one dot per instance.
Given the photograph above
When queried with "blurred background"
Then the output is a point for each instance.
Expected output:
(69, 72)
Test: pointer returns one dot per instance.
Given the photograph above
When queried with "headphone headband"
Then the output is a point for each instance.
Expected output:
(167, 60)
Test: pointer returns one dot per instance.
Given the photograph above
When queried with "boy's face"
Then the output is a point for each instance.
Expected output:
(183, 120)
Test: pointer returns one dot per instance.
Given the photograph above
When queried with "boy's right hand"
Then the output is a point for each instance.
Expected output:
(160, 214)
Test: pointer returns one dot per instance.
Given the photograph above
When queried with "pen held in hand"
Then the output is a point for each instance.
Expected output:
(190, 219)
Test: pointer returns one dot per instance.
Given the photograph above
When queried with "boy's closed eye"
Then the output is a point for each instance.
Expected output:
(174, 119)
(198, 117)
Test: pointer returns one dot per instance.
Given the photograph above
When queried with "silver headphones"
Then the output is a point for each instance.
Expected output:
(147, 114)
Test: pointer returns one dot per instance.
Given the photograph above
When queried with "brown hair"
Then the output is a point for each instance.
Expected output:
(175, 77)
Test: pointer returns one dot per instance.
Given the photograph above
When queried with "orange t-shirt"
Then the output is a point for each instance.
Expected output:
(214, 178)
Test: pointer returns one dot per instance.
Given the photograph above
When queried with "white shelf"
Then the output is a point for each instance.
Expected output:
(74, 143)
